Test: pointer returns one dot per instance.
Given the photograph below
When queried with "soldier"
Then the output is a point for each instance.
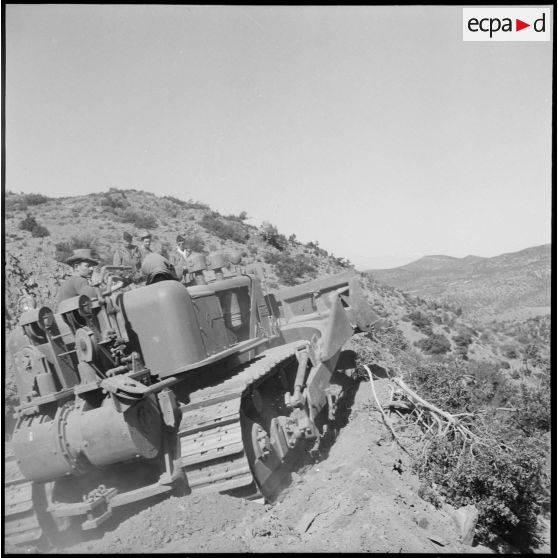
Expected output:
(145, 248)
(82, 263)
(179, 258)
(157, 268)
(128, 254)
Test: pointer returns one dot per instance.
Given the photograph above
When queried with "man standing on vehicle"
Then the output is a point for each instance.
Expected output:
(78, 283)
(129, 255)
(179, 258)
(145, 248)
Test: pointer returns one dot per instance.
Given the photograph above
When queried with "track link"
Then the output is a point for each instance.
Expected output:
(21, 524)
(210, 433)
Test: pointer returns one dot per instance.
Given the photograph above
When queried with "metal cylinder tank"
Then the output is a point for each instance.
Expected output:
(161, 320)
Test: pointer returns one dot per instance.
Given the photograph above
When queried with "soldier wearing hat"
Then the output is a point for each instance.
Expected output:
(82, 263)
(179, 258)
(128, 254)
(157, 268)
(145, 248)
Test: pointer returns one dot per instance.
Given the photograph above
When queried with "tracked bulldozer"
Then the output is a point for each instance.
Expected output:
(170, 388)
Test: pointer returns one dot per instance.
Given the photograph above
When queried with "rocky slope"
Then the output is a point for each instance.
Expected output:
(360, 497)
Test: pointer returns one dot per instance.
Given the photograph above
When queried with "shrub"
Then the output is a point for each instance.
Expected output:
(271, 235)
(30, 224)
(315, 247)
(510, 352)
(434, 344)
(63, 250)
(289, 269)
(139, 220)
(35, 199)
(504, 486)
(190, 204)
(242, 216)
(501, 470)
(233, 231)
(114, 201)
(462, 342)
(194, 243)
(421, 321)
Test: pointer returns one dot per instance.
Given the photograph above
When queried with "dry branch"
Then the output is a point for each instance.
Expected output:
(390, 428)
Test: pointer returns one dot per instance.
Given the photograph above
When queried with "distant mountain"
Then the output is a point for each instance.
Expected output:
(517, 282)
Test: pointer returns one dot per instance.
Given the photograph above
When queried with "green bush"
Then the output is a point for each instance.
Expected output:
(242, 216)
(35, 199)
(30, 224)
(139, 220)
(194, 243)
(510, 352)
(421, 321)
(462, 341)
(233, 231)
(289, 269)
(190, 204)
(499, 470)
(434, 344)
(63, 250)
(316, 250)
(114, 201)
(505, 486)
(271, 235)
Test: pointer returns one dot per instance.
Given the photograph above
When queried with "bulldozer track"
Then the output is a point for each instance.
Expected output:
(21, 524)
(212, 450)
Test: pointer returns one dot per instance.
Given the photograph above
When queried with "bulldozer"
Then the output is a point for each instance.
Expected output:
(171, 389)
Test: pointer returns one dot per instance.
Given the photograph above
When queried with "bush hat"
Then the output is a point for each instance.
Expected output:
(82, 255)
(180, 238)
(145, 235)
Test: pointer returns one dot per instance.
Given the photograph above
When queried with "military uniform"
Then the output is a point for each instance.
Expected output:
(144, 252)
(128, 256)
(74, 286)
(180, 263)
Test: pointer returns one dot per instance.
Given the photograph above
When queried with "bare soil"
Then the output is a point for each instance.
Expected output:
(360, 497)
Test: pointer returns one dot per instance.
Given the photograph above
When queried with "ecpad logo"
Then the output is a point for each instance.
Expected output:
(506, 24)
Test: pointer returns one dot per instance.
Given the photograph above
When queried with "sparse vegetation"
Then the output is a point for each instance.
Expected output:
(139, 219)
(421, 321)
(271, 235)
(289, 268)
(434, 344)
(30, 224)
(194, 243)
(190, 204)
(35, 199)
(500, 469)
(214, 224)
(65, 248)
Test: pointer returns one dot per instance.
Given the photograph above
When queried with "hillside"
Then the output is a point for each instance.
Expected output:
(510, 285)
(465, 367)
(51, 227)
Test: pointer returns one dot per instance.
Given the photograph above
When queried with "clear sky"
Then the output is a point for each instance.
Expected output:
(374, 130)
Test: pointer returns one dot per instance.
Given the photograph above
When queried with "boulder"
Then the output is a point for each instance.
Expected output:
(466, 519)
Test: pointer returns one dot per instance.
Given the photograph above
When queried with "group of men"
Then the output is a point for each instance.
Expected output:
(144, 262)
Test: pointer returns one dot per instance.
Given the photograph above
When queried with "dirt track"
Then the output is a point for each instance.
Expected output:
(362, 497)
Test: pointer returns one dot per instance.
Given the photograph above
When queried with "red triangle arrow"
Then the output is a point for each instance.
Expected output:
(519, 25)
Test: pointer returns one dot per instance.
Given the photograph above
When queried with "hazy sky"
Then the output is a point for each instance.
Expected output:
(374, 130)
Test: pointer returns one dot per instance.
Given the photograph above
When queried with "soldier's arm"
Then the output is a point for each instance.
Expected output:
(116, 259)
